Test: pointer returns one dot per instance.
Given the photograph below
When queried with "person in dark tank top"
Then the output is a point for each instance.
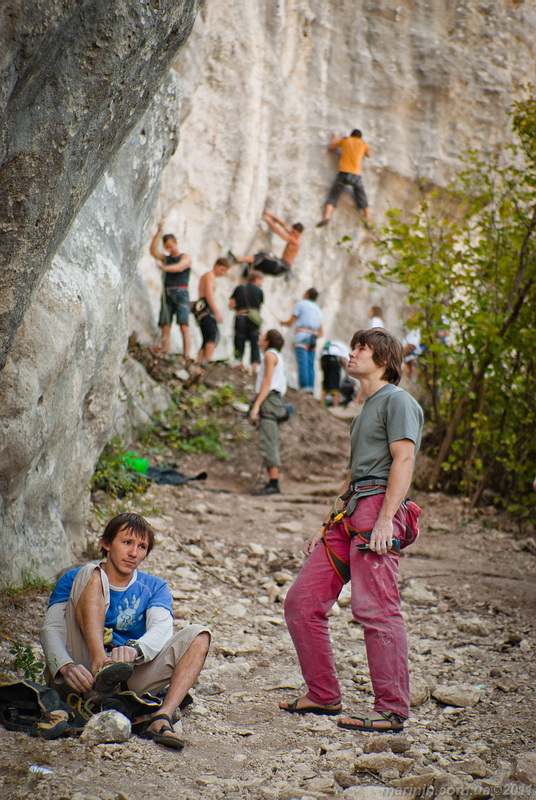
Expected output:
(175, 300)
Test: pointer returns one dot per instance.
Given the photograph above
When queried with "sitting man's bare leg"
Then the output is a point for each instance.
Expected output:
(183, 678)
(90, 613)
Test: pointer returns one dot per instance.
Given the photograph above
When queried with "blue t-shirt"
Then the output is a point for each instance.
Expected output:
(308, 315)
(127, 613)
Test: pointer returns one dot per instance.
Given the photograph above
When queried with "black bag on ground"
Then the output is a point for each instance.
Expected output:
(166, 474)
(36, 710)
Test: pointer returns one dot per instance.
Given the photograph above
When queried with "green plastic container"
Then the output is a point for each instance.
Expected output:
(136, 463)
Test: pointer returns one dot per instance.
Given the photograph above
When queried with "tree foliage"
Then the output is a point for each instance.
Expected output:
(468, 259)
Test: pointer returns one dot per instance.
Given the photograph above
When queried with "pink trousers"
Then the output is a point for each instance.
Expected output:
(375, 606)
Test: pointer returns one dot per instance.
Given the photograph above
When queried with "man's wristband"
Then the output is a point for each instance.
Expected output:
(139, 652)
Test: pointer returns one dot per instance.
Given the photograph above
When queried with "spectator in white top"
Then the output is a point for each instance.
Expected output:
(268, 409)
(412, 349)
(375, 315)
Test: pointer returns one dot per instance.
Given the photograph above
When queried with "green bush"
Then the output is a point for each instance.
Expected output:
(467, 258)
(196, 421)
(26, 662)
(114, 476)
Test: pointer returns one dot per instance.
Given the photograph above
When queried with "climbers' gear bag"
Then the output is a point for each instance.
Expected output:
(200, 308)
(254, 316)
(36, 710)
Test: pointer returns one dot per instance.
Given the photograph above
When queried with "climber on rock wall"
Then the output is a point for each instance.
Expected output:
(266, 262)
(353, 148)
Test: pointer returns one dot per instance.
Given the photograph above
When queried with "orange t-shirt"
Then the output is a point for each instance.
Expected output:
(353, 150)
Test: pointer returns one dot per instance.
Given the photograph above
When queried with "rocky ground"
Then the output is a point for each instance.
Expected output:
(468, 597)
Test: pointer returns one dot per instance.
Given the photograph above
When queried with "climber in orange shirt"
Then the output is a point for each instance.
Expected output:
(353, 148)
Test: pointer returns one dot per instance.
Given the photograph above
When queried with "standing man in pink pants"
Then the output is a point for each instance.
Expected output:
(361, 543)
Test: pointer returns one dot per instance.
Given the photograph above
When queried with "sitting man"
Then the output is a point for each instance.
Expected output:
(108, 624)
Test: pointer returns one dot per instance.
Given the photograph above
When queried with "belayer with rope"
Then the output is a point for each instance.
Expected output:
(268, 409)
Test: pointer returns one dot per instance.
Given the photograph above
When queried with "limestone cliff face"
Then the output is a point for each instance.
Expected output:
(76, 76)
(67, 364)
(265, 83)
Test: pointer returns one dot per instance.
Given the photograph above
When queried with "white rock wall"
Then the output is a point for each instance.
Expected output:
(67, 380)
(265, 82)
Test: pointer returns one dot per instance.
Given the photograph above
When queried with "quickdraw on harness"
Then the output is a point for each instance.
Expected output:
(350, 499)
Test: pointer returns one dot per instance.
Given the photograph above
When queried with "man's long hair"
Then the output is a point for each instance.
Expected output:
(386, 351)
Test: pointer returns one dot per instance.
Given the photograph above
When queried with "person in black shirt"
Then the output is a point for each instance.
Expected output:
(175, 298)
(246, 298)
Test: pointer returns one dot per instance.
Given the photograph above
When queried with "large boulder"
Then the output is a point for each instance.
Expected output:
(75, 78)
(61, 382)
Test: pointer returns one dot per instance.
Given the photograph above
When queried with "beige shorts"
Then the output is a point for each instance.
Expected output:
(149, 677)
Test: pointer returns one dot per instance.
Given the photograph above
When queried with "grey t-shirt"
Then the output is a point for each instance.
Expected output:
(389, 415)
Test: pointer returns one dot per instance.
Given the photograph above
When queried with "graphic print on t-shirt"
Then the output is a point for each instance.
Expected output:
(126, 613)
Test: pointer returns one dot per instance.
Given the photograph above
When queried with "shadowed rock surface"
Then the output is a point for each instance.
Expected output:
(76, 77)
(62, 376)
(67, 109)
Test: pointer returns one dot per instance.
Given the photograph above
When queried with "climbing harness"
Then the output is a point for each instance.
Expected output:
(366, 487)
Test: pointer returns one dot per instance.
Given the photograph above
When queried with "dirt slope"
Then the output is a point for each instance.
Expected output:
(229, 559)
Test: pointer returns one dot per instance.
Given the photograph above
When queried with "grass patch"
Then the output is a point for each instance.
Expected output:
(114, 476)
(198, 420)
(31, 583)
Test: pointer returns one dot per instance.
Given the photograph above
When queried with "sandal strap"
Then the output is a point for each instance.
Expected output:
(369, 722)
(160, 716)
(391, 716)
